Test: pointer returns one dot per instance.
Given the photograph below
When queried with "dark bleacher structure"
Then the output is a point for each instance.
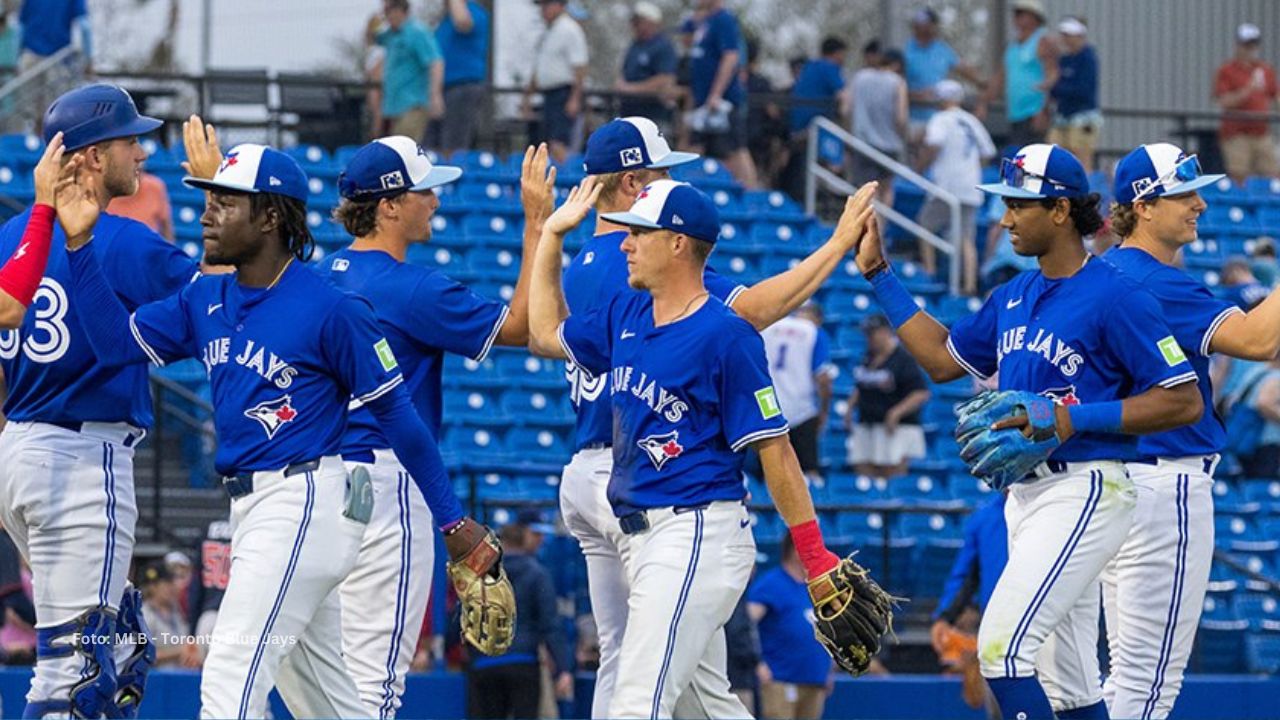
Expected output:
(508, 421)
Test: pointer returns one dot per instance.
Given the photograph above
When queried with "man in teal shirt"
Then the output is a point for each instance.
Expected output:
(413, 72)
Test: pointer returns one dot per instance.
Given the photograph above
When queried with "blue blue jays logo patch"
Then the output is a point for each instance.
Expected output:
(273, 414)
(1062, 395)
(661, 448)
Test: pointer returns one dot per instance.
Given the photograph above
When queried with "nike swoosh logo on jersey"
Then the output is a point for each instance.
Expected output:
(213, 307)
(22, 250)
(626, 334)
(744, 522)
(1012, 304)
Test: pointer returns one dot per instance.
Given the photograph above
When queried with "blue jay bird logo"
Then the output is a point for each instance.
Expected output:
(273, 414)
(661, 448)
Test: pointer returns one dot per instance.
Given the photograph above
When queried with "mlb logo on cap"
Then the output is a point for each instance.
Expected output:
(1040, 171)
(675, 206)
(254, 169)
(629, 143)
(1157, 170)
(389, 166)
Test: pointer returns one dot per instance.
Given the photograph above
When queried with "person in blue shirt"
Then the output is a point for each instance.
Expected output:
(412, 72)
(388, 200)
(719, 117)
(648, 68)
(929, 60)
(463, 35)
(286, 352)
(795, 668)
(820, 87)
(47, 27)
(74, 519)
(625, 155)
(1154, 588)
(977, 566)
(1076, 118)
(1092, 360)
(690, 391)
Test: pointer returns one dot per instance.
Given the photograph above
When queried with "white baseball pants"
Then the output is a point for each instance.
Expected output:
(68, 502)
(1063, 530)
(385, 596)
(280, 624)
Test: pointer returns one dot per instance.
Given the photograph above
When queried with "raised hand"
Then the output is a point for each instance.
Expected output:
(537, 184)
(49, 170)
(76, 201)
(204, 157)
(853, 221)
(582, 198)
(870, 248)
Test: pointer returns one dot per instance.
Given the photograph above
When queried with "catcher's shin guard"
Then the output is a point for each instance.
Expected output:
(92, 636)
(132, 677)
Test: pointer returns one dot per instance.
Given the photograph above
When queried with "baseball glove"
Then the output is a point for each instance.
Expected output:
(486, 599)
(851, 613)
(1004, 457)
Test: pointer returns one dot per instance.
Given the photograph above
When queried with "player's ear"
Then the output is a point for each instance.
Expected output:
(270, 220)
(1061, 213)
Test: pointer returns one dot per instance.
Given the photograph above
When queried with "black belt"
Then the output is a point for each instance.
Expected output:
(241, 484)
(1206, 460)
(638, 521)
(76, 426)
(596, 446)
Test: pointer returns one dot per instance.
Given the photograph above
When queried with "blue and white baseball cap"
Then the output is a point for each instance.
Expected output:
(254, 169)
(389, 166)
(670, 205)
(630, 143)
(1040, 171)
(1156, 170)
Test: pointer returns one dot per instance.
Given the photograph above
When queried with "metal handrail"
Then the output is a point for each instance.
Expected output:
(815, 172)
(38, 70)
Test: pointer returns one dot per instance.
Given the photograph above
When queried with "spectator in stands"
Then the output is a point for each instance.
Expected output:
(1262, 395)
(10, 47)
(871, 53)
(973, 576)
(1247, 83)
(1241, 285)
(719, 117)
(820, 88)
(879, 117)
(180, 568)
(463, 34)
(47, 28)
(955, 146)
(17, 610)
(149, 206)
(559, 72)
(928, 61)
(1028, 71)
(768, 139)
(412, 71)
(1263, 263)
(796, 670)
(510, 685)
(169, 629)
(648, 74)
(799, 353)
(1077, 119)
(889, 390)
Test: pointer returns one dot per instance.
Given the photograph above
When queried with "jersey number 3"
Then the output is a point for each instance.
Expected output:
(50, 338)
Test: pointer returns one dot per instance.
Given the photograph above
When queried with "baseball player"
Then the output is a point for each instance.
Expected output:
(66, 455)
(1078, 375)
(625, 155)
(1154, 589)
(388, 191)
(285, 352)
(690, 390)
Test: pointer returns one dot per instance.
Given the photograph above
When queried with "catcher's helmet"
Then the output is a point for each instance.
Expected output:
(95, 113)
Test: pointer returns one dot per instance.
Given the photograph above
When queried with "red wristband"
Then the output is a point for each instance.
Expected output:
(20, 276)
(814, 555)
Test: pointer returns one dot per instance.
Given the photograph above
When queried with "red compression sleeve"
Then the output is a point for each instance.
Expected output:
(814, 555)
(21, 275)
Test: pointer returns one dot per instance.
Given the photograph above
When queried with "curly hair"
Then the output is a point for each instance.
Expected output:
(1085, 215)
(358, 217)
(1124, 220)
(293, 221)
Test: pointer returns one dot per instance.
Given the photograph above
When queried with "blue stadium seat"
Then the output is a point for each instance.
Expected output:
(470, 406)
(537, 444)
(889, 563)
(1263, 189)
(1259, 555)
(1262, 649)
(544, 486)
(309, 155)
(969, 489)
(1220, 646)
(452, 262)
(1204, 253)
(486, 224)
(1224, 192)
(322, 194)
(767, 525)
(463, 372)
(706, 175)
(781, 238)
(926, 526)
(537, 406)
(1232, 219)
(522, 370)
(933, 565)
(17, 183)
(491, 263)
(922, 490)
(1220, 605)
(775, 264)
(860, 489)
(486, 197)
(1230, 527)
(740, 267)
(343, 153)
(862, 524)
(21, 150)
(484, 165)
(1257, 608)
(471, 443)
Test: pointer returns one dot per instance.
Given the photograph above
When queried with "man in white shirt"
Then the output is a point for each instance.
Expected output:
(955, 146)
(799, 354)
(559, 71)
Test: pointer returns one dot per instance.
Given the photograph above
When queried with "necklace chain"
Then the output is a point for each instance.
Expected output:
(281, 273)
(695, 299)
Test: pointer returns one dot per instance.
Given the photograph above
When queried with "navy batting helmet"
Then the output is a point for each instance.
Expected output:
(95, 113)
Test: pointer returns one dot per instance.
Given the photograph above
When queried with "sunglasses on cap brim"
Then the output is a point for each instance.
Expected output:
(1015, 175)
(1185, 171)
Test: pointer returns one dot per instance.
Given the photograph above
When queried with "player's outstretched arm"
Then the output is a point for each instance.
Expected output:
(785, 480)
(537, 195)
(20, 276)
(923, 336)
(772, 299)
(547, 307)
(1254, 335)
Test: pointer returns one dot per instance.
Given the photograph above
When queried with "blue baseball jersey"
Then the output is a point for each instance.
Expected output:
(787, 643)
(596, 275)
(1194, 315)
(49, 367)
(424, 315)
(1092, 337)
(283, 362)
(687, 397)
